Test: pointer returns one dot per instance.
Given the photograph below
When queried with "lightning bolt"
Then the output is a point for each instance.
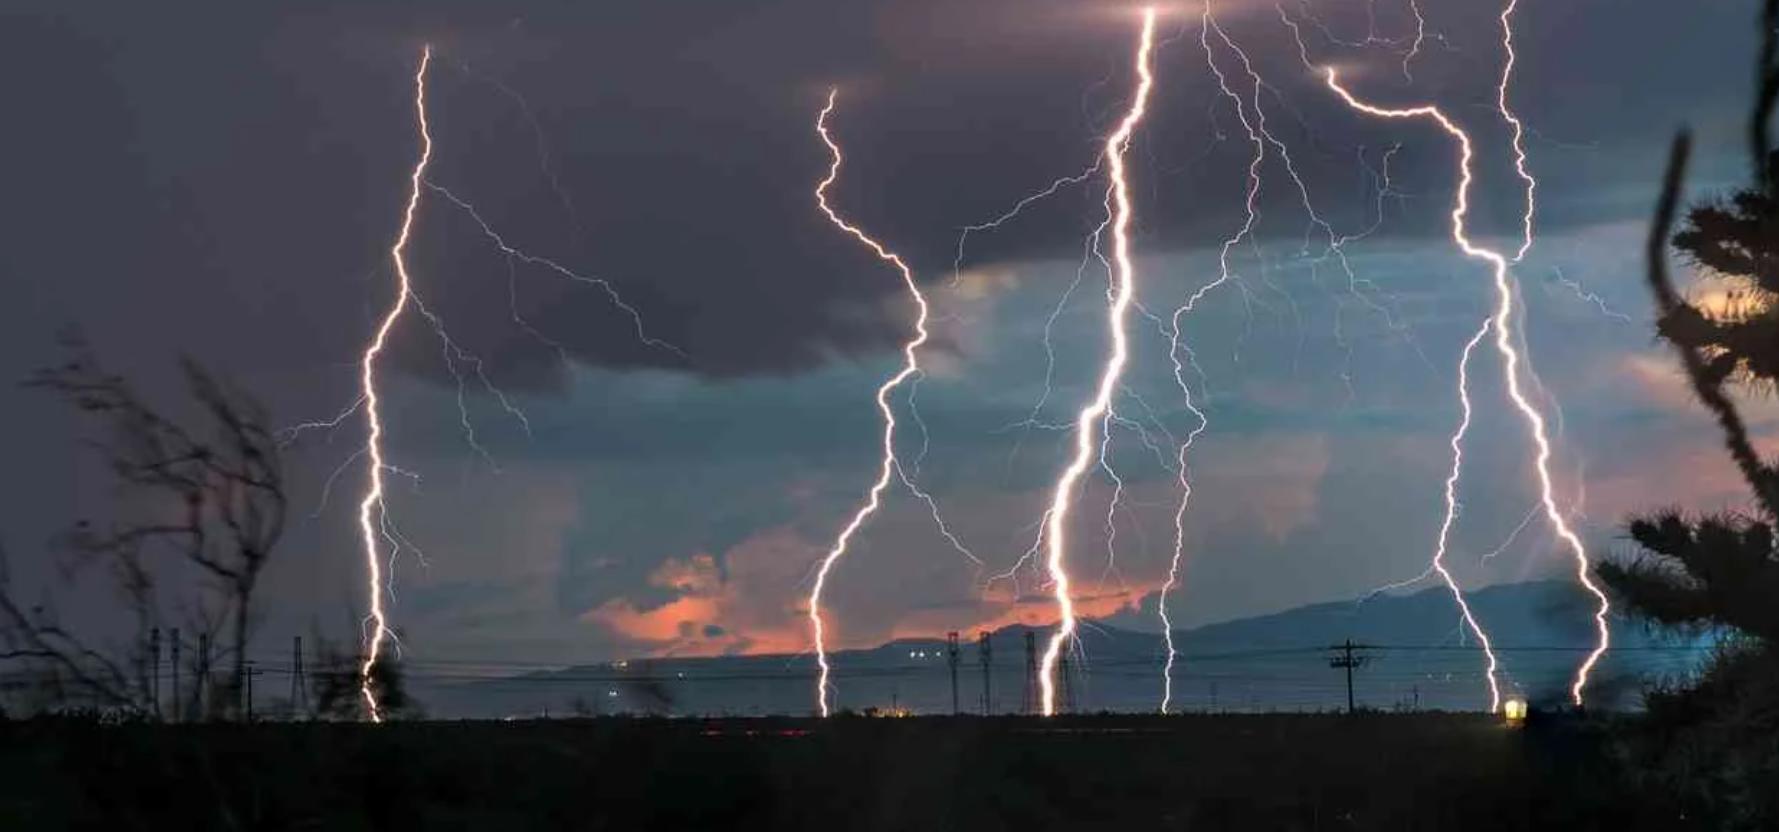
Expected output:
(289, 435)
(1415, 41)
(1584, 295)
(963, 237)
(514, 254)
(890, 466)
(1511, 359)
(545, 159)
(1176, 347)
(1095, 412)
(374, 520)
(1333, 244)
(1414, 49)
(1531, 514)
(1519, 130)
(1452, 507)
(1252, 117)
(371, 510)
(1502, 322)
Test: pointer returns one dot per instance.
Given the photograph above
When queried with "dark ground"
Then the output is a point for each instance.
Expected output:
(1371, 771)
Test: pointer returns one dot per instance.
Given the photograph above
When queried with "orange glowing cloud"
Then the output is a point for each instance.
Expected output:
(748, 604)
(752, 597)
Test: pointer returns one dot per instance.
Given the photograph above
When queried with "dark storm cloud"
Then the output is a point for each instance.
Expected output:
(248, 165)
(226, 182)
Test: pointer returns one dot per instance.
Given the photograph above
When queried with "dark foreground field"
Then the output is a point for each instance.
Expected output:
(1421, 771)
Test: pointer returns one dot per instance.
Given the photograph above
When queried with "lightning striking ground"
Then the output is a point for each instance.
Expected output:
(1094, 414)
(374, 520)
(1452, 508)
(1252, 117)
(1503, 317)
(371, 510)
(1176, 347)
(890, 466)
(1442, 545)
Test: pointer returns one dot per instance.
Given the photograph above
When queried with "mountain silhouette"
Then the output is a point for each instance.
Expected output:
(1417, 656)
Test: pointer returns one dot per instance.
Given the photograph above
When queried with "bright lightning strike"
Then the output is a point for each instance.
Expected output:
(1511, 361)
(1452, 508)
(1519, 130)
(890, 466)
(374, 520)
(371, 509)
(1096, 411)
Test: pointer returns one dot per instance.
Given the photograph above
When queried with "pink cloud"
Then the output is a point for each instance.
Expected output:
(748, 603)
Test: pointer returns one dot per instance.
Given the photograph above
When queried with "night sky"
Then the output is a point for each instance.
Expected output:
(225, 182)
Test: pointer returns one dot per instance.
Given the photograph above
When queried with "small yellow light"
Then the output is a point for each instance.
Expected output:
(1514, 710)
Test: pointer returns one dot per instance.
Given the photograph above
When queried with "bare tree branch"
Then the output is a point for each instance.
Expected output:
(217, 501)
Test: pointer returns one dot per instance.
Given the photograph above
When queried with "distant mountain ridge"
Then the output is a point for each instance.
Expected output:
(1418, 655)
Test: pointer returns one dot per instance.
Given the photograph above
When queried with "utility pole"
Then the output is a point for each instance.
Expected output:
(984, 651)
(203, 680)
(178, 709)
(154, 670)
(299, 688)
(1347, 661)
(1031, 673)
(242, 692)
(951, 659)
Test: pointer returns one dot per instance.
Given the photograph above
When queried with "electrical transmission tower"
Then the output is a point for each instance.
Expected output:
(1030, 705)
(203, 703)
(951, 655)
(154, 670)
(178, 705)
(984, 652)
(299, 687)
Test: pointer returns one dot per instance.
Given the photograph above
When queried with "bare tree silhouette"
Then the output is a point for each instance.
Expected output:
(209, 494)
(335, 685)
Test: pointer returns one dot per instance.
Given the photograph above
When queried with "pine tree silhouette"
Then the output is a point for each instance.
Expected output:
(1720, 570)
(1713, 741)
